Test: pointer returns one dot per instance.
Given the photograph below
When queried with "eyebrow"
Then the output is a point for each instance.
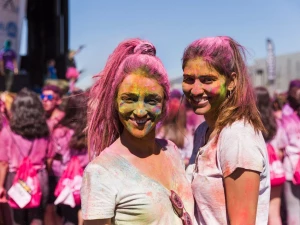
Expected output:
(200, 75)
(129, 94)
(153, 96)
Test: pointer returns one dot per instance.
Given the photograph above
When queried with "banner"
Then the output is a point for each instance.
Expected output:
(12, 13)
(271, 61)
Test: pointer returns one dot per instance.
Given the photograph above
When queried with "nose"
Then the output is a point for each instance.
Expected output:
(140, 110)
(197, 88)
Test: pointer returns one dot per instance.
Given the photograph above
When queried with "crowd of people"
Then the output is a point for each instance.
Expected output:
(49, 130)
(130, 150)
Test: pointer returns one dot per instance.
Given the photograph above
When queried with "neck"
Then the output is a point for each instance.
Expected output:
(52, 113)
(211, 120)
(141, 147)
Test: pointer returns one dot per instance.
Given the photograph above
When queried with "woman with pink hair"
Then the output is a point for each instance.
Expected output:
(124, 184)
(230, 177)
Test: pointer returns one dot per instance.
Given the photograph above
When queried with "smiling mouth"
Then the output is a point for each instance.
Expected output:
(140, 121)
(199, 101)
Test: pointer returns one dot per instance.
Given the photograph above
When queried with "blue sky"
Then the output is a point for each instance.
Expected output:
(172, 25)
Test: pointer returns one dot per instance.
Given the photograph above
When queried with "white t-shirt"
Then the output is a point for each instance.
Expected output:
(188, 136)
(114, 188)
(238, 146)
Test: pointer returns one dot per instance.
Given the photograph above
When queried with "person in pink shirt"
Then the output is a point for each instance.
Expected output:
(2, 117)
(67, 140)
(291, 123)
(174, 127)
(27, 136)
(276, 137)
(52, 98)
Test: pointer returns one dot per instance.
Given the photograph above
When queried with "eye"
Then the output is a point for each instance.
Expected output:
(188, 79)
(152, 101)
(207, 80)
(128, 100)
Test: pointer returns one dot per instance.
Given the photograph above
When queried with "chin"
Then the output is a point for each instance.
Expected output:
(143, 133)
(139, 135)
(201, 111)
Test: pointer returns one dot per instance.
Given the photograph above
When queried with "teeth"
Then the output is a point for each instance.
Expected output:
(199, 99)
(141, 121)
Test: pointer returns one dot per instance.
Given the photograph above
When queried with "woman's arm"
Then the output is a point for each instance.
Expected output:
(16, 70)
(3, 171)
(98, 222)
(242, 190)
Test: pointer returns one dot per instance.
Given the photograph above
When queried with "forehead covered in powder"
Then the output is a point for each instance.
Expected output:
(216, 51)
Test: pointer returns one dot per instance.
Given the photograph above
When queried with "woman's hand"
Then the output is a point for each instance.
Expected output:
(242, 190)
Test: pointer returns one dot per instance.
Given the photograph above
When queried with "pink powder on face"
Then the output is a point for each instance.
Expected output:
(215, 89)
(226, 56)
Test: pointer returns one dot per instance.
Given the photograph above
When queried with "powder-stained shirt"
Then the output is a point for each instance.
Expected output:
(114, 188)
(14, 148)
(280, 140)
(238, 146)
(291, 125)
(59, 144)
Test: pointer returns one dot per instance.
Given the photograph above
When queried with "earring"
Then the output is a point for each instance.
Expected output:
(230, 92)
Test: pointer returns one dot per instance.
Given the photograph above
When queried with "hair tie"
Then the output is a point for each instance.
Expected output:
(145, 48)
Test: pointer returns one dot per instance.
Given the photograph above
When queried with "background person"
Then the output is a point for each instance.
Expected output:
(276, 137)
(8, 64)
(52, 98)
(291, 123)
(27, 136)
(174, 127)
(68, 140)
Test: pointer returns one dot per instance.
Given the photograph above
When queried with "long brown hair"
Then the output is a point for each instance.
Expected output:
(264, 105)
(76, 119)
(227, 56)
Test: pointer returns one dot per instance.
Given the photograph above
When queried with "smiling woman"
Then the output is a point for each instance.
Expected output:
(140, 103)
(124, 184)
(229, 165)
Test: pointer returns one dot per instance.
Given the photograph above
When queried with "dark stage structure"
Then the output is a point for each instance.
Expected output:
(48, 38)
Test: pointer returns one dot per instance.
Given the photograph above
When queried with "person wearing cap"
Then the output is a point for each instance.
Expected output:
(8, 64)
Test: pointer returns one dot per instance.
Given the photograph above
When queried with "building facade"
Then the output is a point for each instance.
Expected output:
(287, 69)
